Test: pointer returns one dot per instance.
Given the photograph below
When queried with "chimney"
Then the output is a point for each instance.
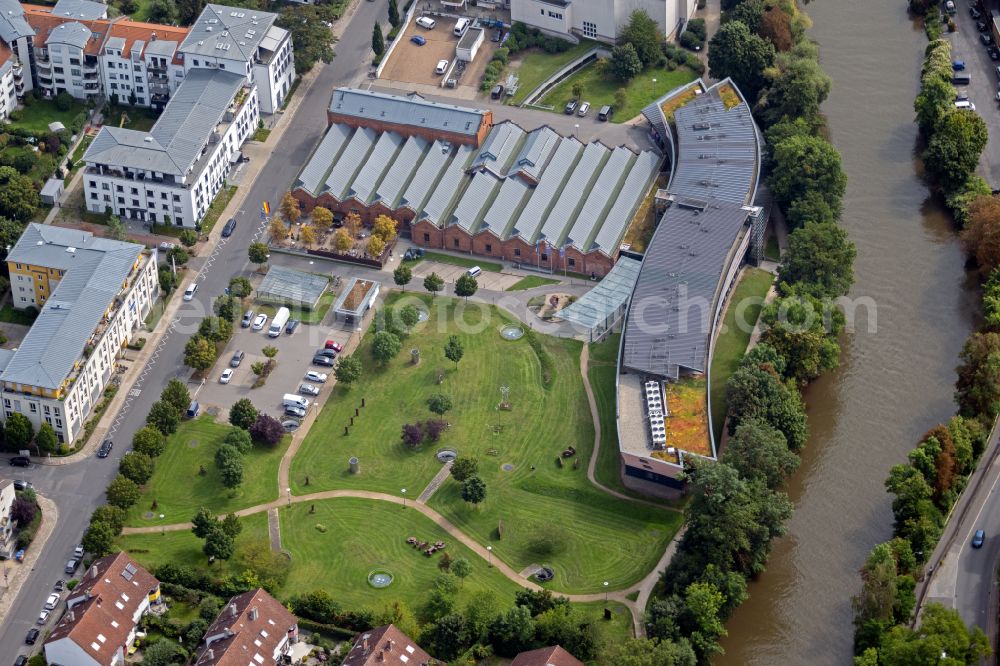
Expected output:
(253, 614)
(364, 645)
(381, 656)
(232, 610)
(210, 654)
(93, 571)
(72, 616)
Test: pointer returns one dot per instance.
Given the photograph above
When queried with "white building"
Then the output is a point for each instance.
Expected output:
(7, 541)
(246, 41)
(94, 294)
(598, 19)
(173, 172)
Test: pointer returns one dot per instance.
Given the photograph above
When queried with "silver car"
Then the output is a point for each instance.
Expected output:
(308, 389)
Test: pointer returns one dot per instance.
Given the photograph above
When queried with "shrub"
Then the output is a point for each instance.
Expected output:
(689, 40)
(267, 429)
(64, 101)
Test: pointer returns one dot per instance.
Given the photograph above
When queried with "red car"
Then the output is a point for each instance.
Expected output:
(335, 346)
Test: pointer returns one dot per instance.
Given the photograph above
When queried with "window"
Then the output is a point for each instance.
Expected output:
(33, 407)
(572, 262)
(59, 423)
(517, 252)
(589, 29)
(555, 15)
(427, 238)
(454, 242)
(195, 63)
(545, 256)
(489, 248)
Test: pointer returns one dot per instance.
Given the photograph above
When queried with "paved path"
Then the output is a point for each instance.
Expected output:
(274, 529)
(435, 483)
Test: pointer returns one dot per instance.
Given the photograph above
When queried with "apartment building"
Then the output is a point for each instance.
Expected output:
(102, 614)
(253, 628)
(598, 19)
(93, 295)
(172, 173)
(8, 544)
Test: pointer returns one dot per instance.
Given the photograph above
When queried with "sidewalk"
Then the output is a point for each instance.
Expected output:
(18, 571)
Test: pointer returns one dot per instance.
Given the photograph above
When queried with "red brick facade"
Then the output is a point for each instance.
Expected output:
(412, 130)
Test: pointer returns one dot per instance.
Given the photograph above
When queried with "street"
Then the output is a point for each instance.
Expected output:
(78, 488)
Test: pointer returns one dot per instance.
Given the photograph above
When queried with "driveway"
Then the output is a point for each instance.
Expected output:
(449, 273)
(965, 45)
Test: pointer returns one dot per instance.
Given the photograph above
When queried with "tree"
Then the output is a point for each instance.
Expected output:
(700, 618)
(116, 228)
(393, 14)
(308, 235)
(473, 490)
(648, 652)
(384, 227)
(163, 417)
(46, 439)
(18, 197)
(643, 34)
(99, 539)
(227, 307)
(412, 434)
(18, 431)
(466, 286)
(218, 544)
(385, 346)
(230, 463)
(348, 370)
(378, 41)
(807, 164)
(240, 286)
(312, 38)
(176, 394)
(113, 516)
(577, 90)
(258, 252)
(267, 429)
(461, 568)
(375, 247)
(203, 522)
(449, 636)
(136, 466)
(439, 403)
(464, 467)
(317, 606)
(758, 450)
(408, 315)
(453, 349)
(954, 149)
(750, 12)
(23, 510)
(322, 218)
(243, 414)
(512, 632)
(188, 237)
(796, 85)
(290, 210)
(164, 651)
(977, 390)
(753, 392)
(402, 276)
(819, 260)
(740, 54)
(433, 283)
(231, 525)
(278, 229)
(123, 492)
(342, 240)
(625, 62)
(199, 353)
(776, 27)
(981, 236)
(352, 223)
(239, 439)
(162, 11)
(941, 632)
(803, 330)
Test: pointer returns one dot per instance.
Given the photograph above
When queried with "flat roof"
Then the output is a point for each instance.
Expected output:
(410, 109)
(293, 286)
(606, 298)
(232, 33)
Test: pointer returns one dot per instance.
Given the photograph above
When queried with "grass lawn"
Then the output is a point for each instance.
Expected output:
(179, 489)
(538, 65)
(42, 112)
(530, 282)
(600, 90)
(732, 342)
(137, 118)
(465, 262)
(592, 537)
(215, 210)
(11, 316)
(771, 250)
(261, 134)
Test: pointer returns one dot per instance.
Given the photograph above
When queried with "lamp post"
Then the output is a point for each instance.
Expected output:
(605, 591)
(404, 497)
(489, 555)
(289, 491)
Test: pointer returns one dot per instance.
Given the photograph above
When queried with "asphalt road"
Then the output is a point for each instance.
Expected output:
(78, 488)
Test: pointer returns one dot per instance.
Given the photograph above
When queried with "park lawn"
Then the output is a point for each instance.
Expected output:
(464, 262)
(179, 489)
(215, 210)
(536, 65)
(42, 112)
(184, 548)
(530, 282)
(606, 351)
(600, 89)
(734, 337)
(261, 134)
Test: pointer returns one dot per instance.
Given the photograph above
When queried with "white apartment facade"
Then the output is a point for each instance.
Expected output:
(598, 19)
(7, 541)
(93, 294)
(172, 173)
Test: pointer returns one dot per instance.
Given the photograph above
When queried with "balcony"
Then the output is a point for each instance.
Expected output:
(91, 87)
(18, 70)
(43, 65)
(90, 76)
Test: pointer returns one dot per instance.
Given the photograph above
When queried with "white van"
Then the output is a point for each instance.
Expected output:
(426, 22)
(461, 26)
(293, 400)
(965, 104)
(475, 271)
(279, 321)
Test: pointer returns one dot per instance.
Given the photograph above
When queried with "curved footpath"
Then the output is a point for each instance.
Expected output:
(643, 589)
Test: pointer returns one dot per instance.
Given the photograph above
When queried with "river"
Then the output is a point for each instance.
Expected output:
(892, 385)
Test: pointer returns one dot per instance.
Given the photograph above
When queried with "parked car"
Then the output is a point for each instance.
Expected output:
(258, 323)
(426, 22)
(981, 26)
(965, 105)
(60, 584)
(292, 410)
(43, 617)
(986, 39)
(418, 40)
(442, 67)
(413, 253)
(72, 566)
(32, 636)
(583, 110)
(308, 389)
(21, 660)
(333, 344)
(497, 35)
(105, 449)
(570, 107)
(52, 601)
(994, 52)
(319, 359)
(20, 461)
(329, 353)
(958, 65)
(291, 326)
(978, 539)
(237, 358)
(975, 13)
(605, 113)
(497, 92)
(190, 291)
(230, 227)
(227, 376)
(165, 246)
(78, 551)
(949, 7)
(20, 484)
(314, 376)
(247, 319)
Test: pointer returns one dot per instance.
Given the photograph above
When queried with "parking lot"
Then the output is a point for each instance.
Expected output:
(413, 64)
(968, 47)
(294, 359)
(449, 273)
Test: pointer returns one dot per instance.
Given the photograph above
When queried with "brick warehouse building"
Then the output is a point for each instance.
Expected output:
(456, 181)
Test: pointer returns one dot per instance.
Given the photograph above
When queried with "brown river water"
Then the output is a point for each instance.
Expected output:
(893, 384)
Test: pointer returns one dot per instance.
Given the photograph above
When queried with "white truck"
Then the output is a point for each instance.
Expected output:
(278, 323)
(293, 400)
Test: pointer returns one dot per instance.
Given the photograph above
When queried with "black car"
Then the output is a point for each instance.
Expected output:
(60, 584)
(20, 484)
(986, 39)
(994, 52)
(21, 660)
(31, 637)
(319, 359)
(329, 353)
(570, 107)
(291, 326)
(975, 13)
(20, 461)
(981, 26)
(413, 254)
(105, 449)
(978, 538)
(230, 227)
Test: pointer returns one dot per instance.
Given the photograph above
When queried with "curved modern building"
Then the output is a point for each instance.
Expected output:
(709, 228)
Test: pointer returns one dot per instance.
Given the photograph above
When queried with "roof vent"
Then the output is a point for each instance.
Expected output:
(40, 243)
(147, 139)
(71, 250)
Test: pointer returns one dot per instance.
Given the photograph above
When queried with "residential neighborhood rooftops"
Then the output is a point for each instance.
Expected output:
(80, 9)
(412, 110)
(13, 25)
(232, 33)
(547, 656)
(386, 646)
(248, 630)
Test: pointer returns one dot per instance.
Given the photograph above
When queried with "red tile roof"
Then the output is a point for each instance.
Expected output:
(547, 656)
(252, 624)
(5, 52)
(133, 31)
(386, 646)
(102, 606)
(44, 21)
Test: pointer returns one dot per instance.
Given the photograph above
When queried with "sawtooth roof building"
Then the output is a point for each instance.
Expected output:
(456, 182)
(709, 227)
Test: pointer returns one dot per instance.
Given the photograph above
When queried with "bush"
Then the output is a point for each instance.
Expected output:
(64, 101)
(697, 26)
(267, 429)
(689, 40)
